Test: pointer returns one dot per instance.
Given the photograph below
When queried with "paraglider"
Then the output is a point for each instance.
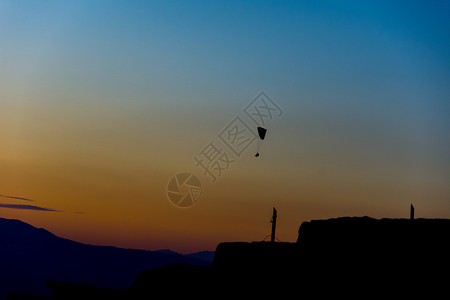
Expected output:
(262, 134)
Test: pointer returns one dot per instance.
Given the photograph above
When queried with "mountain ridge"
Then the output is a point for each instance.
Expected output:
(340, 256)
(35, 255)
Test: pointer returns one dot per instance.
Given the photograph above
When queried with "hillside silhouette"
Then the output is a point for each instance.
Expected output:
(351, 257)
(32, 256)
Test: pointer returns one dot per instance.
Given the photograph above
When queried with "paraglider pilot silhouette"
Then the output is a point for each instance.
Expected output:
(262, 134)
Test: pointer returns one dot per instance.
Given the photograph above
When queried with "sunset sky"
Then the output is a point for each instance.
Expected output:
(102, 102)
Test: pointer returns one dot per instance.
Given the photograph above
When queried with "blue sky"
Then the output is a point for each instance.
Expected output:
(125, 89)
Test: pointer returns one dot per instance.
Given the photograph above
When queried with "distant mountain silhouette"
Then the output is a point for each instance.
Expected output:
(207, 256)
(352, 257)
(30, 256)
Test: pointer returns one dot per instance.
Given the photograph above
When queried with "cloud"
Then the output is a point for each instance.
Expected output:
(80, 212)
(18, 198)
(26, 206)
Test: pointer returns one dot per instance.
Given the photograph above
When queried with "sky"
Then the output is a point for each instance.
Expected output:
(103, 102)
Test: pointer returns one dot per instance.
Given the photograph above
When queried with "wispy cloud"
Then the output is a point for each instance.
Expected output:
(28, 207)
(18, 198)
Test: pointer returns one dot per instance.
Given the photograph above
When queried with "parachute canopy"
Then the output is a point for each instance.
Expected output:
(262, 132)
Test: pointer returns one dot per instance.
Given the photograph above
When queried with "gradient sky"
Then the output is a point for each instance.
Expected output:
(102, 102)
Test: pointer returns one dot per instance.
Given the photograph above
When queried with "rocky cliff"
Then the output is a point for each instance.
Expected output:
(351, 257)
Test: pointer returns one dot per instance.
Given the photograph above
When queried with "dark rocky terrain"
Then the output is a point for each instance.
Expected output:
(31, 256)
(346, 257)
